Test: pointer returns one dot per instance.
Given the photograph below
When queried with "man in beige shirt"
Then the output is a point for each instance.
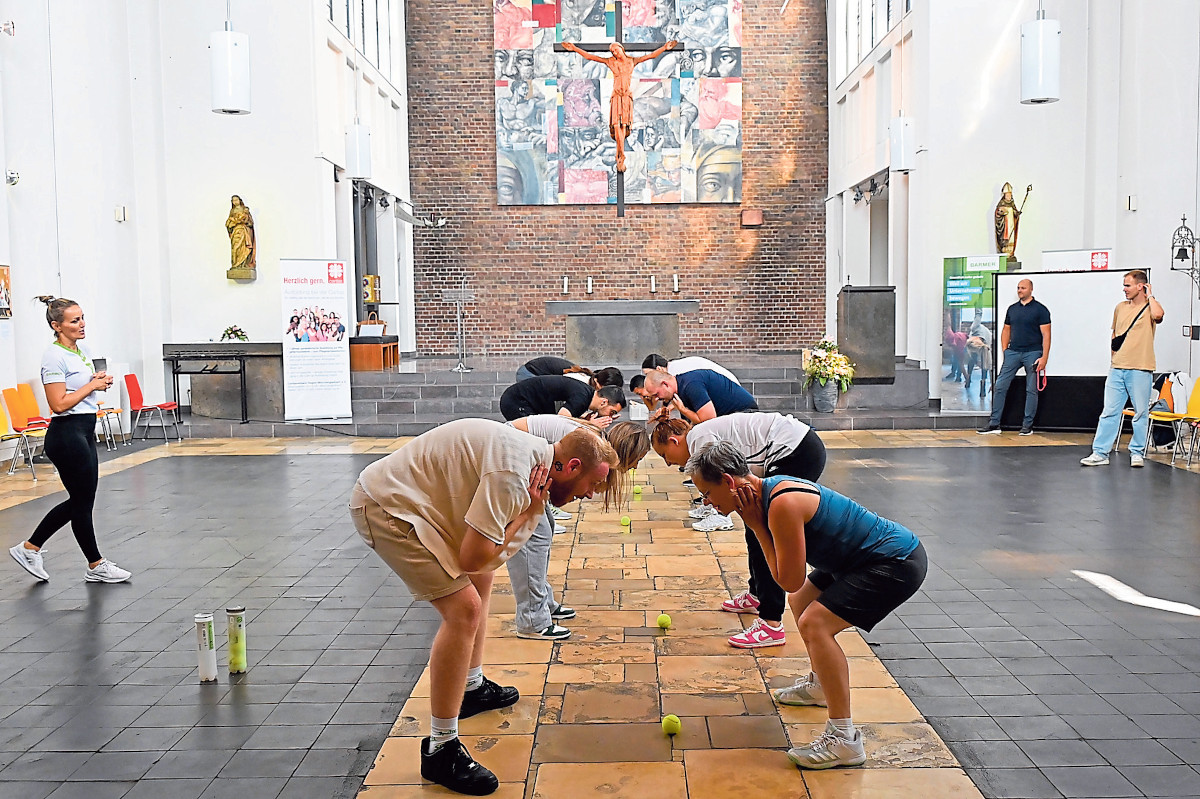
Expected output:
(443, 512)
(1132, 372)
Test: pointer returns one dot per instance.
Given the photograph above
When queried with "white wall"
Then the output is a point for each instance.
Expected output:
(108, 104)
(1128, 122)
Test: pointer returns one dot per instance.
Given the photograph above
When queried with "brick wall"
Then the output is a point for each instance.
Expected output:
(759, 288)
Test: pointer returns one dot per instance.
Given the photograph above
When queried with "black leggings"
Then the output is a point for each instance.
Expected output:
(71, 447)
(806, 461)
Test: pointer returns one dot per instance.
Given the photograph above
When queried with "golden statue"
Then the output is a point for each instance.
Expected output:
(620, 108)
(1008, 221)
(243, 252)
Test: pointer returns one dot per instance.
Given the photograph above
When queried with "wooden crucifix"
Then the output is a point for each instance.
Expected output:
(620, 64)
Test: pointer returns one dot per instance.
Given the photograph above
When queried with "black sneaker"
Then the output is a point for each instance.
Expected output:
(453, 767)
(562, 612)
(1026, 431)
(688, 482)
(990, 430)
(488, 696)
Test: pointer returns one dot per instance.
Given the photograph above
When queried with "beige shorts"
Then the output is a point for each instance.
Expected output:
(396, 542)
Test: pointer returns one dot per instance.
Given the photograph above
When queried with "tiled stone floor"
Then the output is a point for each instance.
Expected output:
(1038, 684)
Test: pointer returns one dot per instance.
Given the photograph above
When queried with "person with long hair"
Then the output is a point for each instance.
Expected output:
(772, 444)
(72, 387)
(863, 567)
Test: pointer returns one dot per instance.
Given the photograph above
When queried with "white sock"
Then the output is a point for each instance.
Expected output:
(474, 678)
(441, 732)
(845, 727)
(774, 625)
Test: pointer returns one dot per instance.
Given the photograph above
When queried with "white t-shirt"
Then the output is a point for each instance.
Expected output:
(582, 377)
(550, 426)
(60, 365)
(695, 362)
(762, 438)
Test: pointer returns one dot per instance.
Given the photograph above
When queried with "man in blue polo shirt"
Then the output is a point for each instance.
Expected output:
(703, 394)
(1025, 340)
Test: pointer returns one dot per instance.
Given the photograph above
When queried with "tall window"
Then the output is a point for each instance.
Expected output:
(368, 23)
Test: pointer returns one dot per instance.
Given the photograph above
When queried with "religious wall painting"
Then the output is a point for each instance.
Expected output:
(686, 124)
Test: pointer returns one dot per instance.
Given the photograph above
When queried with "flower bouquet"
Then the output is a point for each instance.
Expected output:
(234, 333)
(826, 364)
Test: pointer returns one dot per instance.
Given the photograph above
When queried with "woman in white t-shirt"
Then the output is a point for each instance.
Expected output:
(72, 388)
(772, 444)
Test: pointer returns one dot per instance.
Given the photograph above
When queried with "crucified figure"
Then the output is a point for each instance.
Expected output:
(620, 109)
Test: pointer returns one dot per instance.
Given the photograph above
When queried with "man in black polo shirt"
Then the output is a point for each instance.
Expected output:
(1025, 340)
(539, 394)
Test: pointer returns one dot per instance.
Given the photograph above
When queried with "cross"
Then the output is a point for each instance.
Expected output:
(615, 125)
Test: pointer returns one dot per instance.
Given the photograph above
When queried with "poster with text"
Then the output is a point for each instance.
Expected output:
(969, 333)
(316, 344)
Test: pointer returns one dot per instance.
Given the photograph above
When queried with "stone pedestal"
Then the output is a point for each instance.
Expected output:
(604, 332)
(867, 331)
(240, 273)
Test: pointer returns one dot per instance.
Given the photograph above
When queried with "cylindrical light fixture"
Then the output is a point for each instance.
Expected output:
(358, 151)
(1041, 58)
(230, 71)
(903, 151)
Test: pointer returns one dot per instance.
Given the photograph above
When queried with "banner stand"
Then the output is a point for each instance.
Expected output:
(316, 344)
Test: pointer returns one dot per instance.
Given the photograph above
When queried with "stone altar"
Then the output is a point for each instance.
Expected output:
(601, 332)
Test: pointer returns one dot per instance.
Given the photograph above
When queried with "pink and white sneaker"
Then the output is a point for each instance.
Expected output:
(742, 603)
(759, 634)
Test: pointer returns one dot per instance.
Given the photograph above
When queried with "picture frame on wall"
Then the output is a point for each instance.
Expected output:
(5, 293)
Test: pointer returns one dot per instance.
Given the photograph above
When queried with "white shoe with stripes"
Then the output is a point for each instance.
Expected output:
(830, 750)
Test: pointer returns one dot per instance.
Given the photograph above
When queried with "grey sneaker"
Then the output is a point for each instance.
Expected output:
(805, 692)
(990, 430)
(830, 750)
(1137, 461)
(30, 561)
(552, 633)
(1094, 460)
(559, 514)
(559, 529)
(1026, 431)
(106, 572)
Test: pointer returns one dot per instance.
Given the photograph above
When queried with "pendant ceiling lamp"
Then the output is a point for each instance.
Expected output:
(358, 135)
(1041, 58)
(230, 68)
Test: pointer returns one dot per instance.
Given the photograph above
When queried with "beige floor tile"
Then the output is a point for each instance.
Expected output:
(707, 623)
(587, 673)
(507, 790)
(503, 651)
(684, 565)
(723, 774)
(613, 702)
(601, 743)
(586, 653)
(746, 732)
(519, 719)
(611, 780)
(910, 783)
(672, 600)
(730, 674)
(704, 704)
(882, 706)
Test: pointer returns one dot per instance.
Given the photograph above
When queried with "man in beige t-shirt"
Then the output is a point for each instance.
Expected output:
(443, 512)
(1132, 371)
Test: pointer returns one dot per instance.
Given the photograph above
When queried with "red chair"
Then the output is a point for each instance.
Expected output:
(137, 405)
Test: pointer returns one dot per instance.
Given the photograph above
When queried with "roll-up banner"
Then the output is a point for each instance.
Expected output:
(316, 345)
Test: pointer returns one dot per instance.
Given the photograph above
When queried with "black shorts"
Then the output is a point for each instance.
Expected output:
(866, 595)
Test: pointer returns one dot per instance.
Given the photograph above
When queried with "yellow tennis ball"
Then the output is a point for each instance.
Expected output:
(637, 489)
(624, 521)
(664, 621)
(671, 725)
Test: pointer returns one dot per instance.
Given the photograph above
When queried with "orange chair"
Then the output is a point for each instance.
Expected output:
(137, 405)
(23, 418)
(26, 439)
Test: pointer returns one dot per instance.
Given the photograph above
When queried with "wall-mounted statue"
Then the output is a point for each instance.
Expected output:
(1008, 221)
(243, 250)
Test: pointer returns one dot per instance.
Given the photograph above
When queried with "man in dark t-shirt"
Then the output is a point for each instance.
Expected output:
(1025, 340)
(541, 394)
(704, 394)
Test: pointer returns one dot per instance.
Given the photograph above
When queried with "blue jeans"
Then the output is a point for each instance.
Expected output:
(1013, 361)
(523, 374)
(1121, 383)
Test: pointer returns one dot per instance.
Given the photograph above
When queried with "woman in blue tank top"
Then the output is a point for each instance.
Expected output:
(864, 567)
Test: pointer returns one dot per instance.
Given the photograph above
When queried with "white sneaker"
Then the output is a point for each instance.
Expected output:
(702, 511)
(552, 633)
(1094, 460)
(805, 692)
(559, 514)
(714, 521)
(831, 749)
(30, 561)
(559, 529)
(106, 572)
(1137, 461)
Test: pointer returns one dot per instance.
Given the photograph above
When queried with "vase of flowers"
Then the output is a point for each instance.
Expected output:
(827, 372)
(234, 333)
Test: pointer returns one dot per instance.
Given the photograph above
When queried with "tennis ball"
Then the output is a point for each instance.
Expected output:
(637, 489)
(671, 725)
(624, 521)
(664, 621)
